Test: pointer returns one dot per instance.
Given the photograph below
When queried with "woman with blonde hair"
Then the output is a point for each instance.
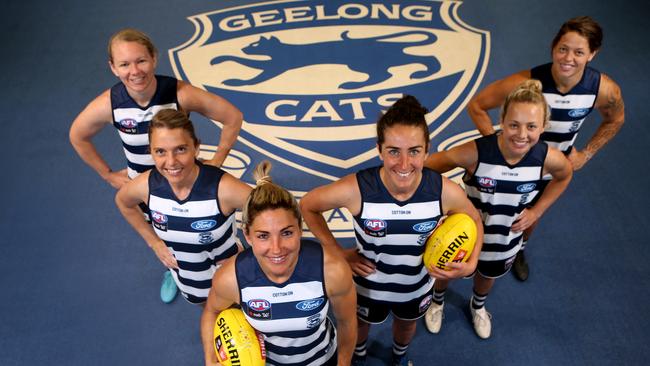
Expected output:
(503, 176)
(283, 271)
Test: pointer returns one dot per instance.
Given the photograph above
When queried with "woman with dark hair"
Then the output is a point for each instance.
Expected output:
(572, 89)
(395, 207)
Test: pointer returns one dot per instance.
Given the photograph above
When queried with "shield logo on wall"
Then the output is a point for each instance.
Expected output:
(312, 77)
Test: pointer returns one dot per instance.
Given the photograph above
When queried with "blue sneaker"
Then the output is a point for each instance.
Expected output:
(168, 290)
(402, 360)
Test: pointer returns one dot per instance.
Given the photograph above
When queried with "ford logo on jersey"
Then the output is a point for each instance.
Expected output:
(259, 304)
(375, 224)
(159, 217)
(311, 304)
(424, 227)
(577, 113)
(203, 225)
(486, 182)
(128, 123)
(525, 188)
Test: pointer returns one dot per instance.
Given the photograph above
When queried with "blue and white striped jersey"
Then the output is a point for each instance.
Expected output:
(392, 234)
(132, 121)
(568, 110)
(500, 191)
(291, 315)
(196, 230)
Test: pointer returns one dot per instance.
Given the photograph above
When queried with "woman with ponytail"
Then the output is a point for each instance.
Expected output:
(287, 273)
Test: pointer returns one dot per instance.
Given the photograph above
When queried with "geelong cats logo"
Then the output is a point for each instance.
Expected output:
(312, 77)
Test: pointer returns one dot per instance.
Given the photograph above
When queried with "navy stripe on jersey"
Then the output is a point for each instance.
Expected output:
(501, 191)
(196, 230)
(392, 234)
(132, 121)
(292, 315)
(568, 110)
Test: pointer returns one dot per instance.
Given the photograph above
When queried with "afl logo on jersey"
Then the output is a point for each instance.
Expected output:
(375, 225)
(259, 309)
(424, 227)
(128, 123)
(486, 182)
(203, 225)
(525, 188)
(159, 220)
(577, 113)
(308, 305)
(159, 217)
(315, 75)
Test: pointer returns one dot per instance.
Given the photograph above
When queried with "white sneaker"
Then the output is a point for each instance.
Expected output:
(482, 321)
(433, 317)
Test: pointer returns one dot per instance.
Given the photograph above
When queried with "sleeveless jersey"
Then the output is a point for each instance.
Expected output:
(132, 121)
(568, 110)
(392, 235)
(196, 230)
(500, 192)
(292, 315)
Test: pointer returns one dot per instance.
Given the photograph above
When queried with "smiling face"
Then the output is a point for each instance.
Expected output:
(403, 153)
(173, 152)
(134, 65)
(274, 236)
(570, 57)
(521, 126)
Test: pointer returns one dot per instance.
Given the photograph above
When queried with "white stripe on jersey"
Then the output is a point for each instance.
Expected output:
(202, 293)
(500, 172)
(563, 146)
(564, 126)
(502, 220)
(187, 209)
(498, 256)
(141, 159)
(572, 101)
(394, 296)
(500, 239)
(392, 211)
(139, 114)
(381, 277)
(189, 237)
(198, 275)
(394, 260)
(507, 199)
(299, 342)
(299, 291)
(141, 139)
(194, 257)
(288, 359)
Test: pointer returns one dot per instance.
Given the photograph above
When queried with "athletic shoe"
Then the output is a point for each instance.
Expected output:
(402, 360)
(358, 360)
(433, 317)
(168, 290)
(482, 321)
(520, 266)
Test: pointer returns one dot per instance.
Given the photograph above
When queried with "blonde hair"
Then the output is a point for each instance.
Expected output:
(131, 35)
(530, 91)
(267, 196)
